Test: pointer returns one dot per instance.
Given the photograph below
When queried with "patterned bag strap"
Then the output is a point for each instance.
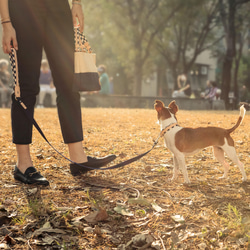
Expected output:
(81, 42)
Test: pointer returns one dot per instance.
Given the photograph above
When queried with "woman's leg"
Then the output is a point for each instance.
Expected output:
(23, 157)
(29, 57)
(59, 48)
(29, 37)
(76, 152)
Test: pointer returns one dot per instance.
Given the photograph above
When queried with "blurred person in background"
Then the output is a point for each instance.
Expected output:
(212, 95)
(5, 86)
(244, 94)
(104, 80)
(183, 88)
(46, 84)
(207, 89)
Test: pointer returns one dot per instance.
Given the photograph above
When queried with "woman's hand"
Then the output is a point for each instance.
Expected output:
(77, 15)
(9, 38)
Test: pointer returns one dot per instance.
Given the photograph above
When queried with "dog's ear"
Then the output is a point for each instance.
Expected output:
(173, 107)
(159, 105)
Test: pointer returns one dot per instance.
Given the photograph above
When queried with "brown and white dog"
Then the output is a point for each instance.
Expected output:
(187, 141)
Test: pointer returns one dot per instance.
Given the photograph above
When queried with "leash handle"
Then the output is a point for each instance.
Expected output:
(14, 68)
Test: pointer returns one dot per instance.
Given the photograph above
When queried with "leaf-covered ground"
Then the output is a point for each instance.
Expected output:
(134, 207)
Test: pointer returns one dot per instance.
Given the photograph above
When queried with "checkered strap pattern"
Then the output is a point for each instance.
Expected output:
(81, 42)
(14, 67)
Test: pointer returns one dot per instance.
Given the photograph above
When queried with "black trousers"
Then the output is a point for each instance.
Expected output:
(45, 24)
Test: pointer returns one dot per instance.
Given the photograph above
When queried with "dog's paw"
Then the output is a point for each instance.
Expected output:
(244, 179)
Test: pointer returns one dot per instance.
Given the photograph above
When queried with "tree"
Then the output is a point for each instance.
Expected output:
(228, 10)
(130, 26)
(242, 30)
(185, 37)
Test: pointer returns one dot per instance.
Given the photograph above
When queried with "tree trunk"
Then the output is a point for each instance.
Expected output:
(237, 65)
(236, 88)
(162, 83)
(230, 52)
(174, 76)
(226, 79)
(138, 79)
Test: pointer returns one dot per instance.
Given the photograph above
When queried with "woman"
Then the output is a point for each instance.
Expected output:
(31, 26)
(104, 80)
(183, 89)
(46, 85)
(211, 96)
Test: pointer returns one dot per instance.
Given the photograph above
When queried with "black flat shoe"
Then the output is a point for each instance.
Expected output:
(92, 162)
(31, 176)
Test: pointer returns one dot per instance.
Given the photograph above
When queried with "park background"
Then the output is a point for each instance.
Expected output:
(145, 44)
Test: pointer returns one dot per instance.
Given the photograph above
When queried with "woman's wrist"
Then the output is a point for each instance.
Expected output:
(6, 22)
(77, 2)
(6, 19)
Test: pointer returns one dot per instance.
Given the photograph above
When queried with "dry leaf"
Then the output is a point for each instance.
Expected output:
(100, 215)
(4, 246)
(200, 206)
(48, 230)
(97, 231)
(123, 211)
(4, 220)
(178, 218)
(139, 201)
(157, 208)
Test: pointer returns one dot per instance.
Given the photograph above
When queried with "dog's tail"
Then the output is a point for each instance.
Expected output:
(240, 119)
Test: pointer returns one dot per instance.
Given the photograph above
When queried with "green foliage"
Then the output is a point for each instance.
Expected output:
(95, 201)
(127, 29)
(234, 221)
(234, 216)
(243, 72)
(185, 37)
(19, 221)
(131, 37)
(35, 207)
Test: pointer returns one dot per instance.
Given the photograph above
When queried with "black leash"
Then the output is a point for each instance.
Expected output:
(14, 67)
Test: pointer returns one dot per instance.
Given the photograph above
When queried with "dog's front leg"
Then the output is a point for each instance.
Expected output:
(176, 169)
(219, 155)
(182, 165)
